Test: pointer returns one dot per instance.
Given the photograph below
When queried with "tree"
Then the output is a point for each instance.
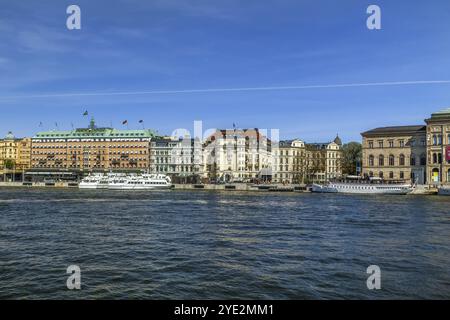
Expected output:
(351, 158)
(9, 164)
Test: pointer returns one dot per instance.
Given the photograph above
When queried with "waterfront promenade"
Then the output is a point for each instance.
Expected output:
(420, 190)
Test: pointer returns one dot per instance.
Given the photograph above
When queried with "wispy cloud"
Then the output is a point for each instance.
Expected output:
(242, 89)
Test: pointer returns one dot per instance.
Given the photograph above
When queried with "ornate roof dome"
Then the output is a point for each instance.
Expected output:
(9, 136)
(338, 140)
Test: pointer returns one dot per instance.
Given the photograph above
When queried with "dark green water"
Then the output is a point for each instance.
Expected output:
(224, 245)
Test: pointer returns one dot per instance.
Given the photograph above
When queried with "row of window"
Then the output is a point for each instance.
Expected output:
(390, 175)
(401, 160)
(87, 146)
(89, 166)
(437, 139)
(391, 143)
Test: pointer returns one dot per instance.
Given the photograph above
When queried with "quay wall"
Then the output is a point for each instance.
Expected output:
(420, 190)
(228, 187)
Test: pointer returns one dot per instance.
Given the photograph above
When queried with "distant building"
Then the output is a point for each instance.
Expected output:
(323, 160)
(416, 153)
(90, 149)
(298, 162)
(237, 155)
(180, 158)
(395, 153)
(438, 147)
(14, 157)
(289, 162)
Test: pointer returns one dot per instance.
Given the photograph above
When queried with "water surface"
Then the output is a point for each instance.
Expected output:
(221, 245)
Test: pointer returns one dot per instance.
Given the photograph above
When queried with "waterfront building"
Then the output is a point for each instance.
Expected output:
(237, 155)
(289, 162)
(438, 147)
(90, 149)
(395, 153)
(14, 157)
(179, 158)
(323, 161)
(298, 162)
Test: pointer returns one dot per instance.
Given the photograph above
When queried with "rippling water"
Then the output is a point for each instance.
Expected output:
(223, 245)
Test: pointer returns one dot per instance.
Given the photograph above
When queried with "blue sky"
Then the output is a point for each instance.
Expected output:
(172, 45)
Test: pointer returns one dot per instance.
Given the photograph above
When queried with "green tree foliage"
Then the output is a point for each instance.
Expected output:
(351, 157)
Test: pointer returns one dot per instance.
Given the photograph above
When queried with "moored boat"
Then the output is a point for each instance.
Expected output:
(90, 182)
(122, 181)
(359, 185)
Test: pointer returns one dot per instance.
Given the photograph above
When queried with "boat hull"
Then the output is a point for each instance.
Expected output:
(87, 186)
(362, 189)
(153, 187)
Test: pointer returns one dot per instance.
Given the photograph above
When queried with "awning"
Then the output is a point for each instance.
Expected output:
(51, 173)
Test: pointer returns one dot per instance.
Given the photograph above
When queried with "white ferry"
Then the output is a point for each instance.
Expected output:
(142, 182)
(126, 182)
(362, 186)
(91, 181)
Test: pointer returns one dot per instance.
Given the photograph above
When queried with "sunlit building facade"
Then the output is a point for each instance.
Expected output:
(91, 149)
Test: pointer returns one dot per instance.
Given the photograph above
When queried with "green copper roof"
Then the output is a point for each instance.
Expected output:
(9, 136)
(442, 112)
(440, 115)
(95, 133)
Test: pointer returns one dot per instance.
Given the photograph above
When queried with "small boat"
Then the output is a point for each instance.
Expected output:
(358, 185)
(444, 191)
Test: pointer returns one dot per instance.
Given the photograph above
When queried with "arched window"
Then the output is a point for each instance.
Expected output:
(413, 160)
(371, 161)
(391, 175)
(381, 160)
(380, 174)
(435, 176)
(371, 174)
(402, 160)
(434, 158)
(391, 160)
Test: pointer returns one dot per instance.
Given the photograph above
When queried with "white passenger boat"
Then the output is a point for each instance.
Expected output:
(363, 186)
(145, 182)
(90, 182)
(444, 191)
(120, 181)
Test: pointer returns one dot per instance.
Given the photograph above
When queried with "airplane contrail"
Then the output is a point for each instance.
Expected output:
(325, 86)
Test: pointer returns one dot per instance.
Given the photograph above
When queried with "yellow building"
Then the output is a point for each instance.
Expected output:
(15, 157)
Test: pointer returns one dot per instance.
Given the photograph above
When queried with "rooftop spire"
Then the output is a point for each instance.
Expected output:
(338, 140)
(92, 124)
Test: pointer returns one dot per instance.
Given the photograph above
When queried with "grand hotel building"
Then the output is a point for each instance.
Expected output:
(91, 149)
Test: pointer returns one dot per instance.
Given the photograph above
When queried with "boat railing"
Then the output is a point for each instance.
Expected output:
(370, 180)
